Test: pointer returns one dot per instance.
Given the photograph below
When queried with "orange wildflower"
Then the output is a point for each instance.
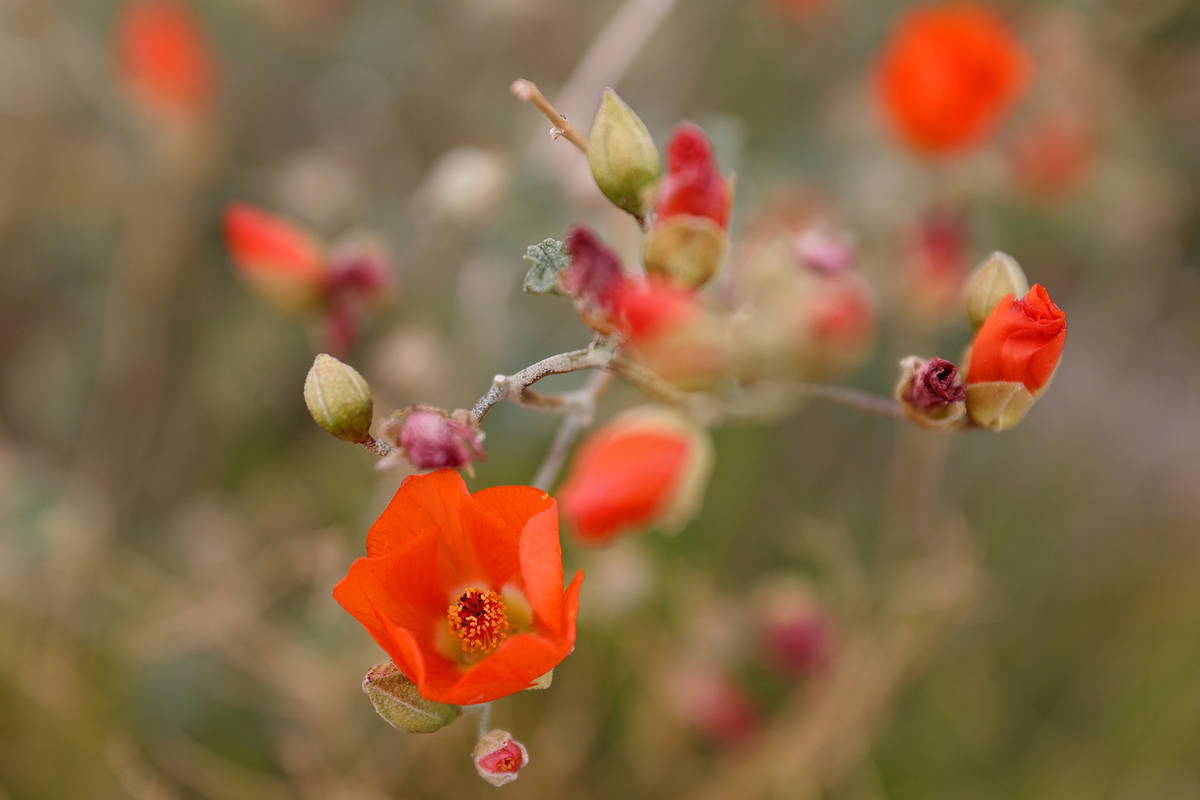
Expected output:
(948, 74)
(163, 56)
(465, 592)
(1021, 341)
(643, 469)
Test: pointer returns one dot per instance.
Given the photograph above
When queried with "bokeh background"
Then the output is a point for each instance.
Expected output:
(1011, 615)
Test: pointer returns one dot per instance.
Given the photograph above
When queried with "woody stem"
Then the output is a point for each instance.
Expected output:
(527, 92)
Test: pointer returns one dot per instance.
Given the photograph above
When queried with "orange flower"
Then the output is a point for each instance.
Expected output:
(282, 261)
(948, 74)
(465, 592)
(1020, 342)
(164, 57)
(645, 468)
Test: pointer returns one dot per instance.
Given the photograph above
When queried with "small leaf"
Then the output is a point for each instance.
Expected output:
(549, 258)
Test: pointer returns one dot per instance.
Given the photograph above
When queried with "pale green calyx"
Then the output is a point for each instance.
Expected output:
(990, 282)
(339, 399)
(397, 700)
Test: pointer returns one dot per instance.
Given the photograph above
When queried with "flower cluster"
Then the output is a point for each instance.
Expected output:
(465, 592)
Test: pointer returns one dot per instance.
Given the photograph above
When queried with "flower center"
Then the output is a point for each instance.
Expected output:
(479, 619)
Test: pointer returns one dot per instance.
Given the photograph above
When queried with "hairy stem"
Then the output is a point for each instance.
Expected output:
(581, 406)
(527, 92)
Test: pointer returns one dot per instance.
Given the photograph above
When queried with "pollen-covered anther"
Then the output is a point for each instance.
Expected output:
(478, 619)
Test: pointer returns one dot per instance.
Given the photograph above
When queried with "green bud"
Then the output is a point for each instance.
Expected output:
(685, 249)
(990, 282)
(622, 155)
(339, 399)
(396, 699)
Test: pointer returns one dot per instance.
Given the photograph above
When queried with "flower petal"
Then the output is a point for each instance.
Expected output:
(535, 514)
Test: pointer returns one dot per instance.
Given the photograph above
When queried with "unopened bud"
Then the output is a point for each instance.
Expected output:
(622, 155)
(339, 399)
(499, 757)
(429, 438)
(990, 282)
(685, 249)
(930, 392)
(396, 699)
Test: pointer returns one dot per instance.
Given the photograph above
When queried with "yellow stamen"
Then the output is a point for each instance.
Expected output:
(479, 619)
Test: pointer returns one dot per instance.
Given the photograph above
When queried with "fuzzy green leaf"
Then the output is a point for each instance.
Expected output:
(549, 258)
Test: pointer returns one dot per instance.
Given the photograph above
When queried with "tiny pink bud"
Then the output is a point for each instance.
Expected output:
(931, 392)
(797, 634)
(714, 705)
(499, 757)
(431, 439)
(824, 251)
(935, 385)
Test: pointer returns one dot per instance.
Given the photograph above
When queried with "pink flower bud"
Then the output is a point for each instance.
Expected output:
(431, 439)
(824, 251)
(931, 392)
(797, 635)
(713, 704)
(499, 757)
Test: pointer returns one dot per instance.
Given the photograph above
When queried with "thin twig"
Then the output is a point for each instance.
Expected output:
(580, 406)
(852, 398)
(515, 385)
(377, 446)
(527, 92)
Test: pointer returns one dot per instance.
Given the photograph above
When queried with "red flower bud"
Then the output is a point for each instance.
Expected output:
(431, 439)
(692, 184)
(595, 275)
(164, 58)
(646, 468)
(949, 73)
(796, 633)
(499, 757)
(672, 333)
(1020, 342)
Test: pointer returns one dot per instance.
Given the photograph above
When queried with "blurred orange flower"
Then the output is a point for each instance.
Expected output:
(281, 260)
(1021, 341)
(465, 592)
(948, 74)
(645, 468)
(164, 57)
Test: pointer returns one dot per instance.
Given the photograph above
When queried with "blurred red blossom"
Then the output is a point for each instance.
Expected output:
(1051, 155)
(693, 185)
(948, 74)
(647, 467)
(164, 57)
(465, 591)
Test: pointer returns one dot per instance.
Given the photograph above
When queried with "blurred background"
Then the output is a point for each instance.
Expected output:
(860, 610)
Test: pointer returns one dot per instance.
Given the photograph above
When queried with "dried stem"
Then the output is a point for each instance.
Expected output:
(527, 92)
(515, 387)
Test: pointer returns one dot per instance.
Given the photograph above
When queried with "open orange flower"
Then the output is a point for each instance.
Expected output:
(465, 592)
(646, 468)
(164, 57)
(948, 74)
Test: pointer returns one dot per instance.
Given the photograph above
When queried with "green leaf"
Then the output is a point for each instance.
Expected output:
(549, 258)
